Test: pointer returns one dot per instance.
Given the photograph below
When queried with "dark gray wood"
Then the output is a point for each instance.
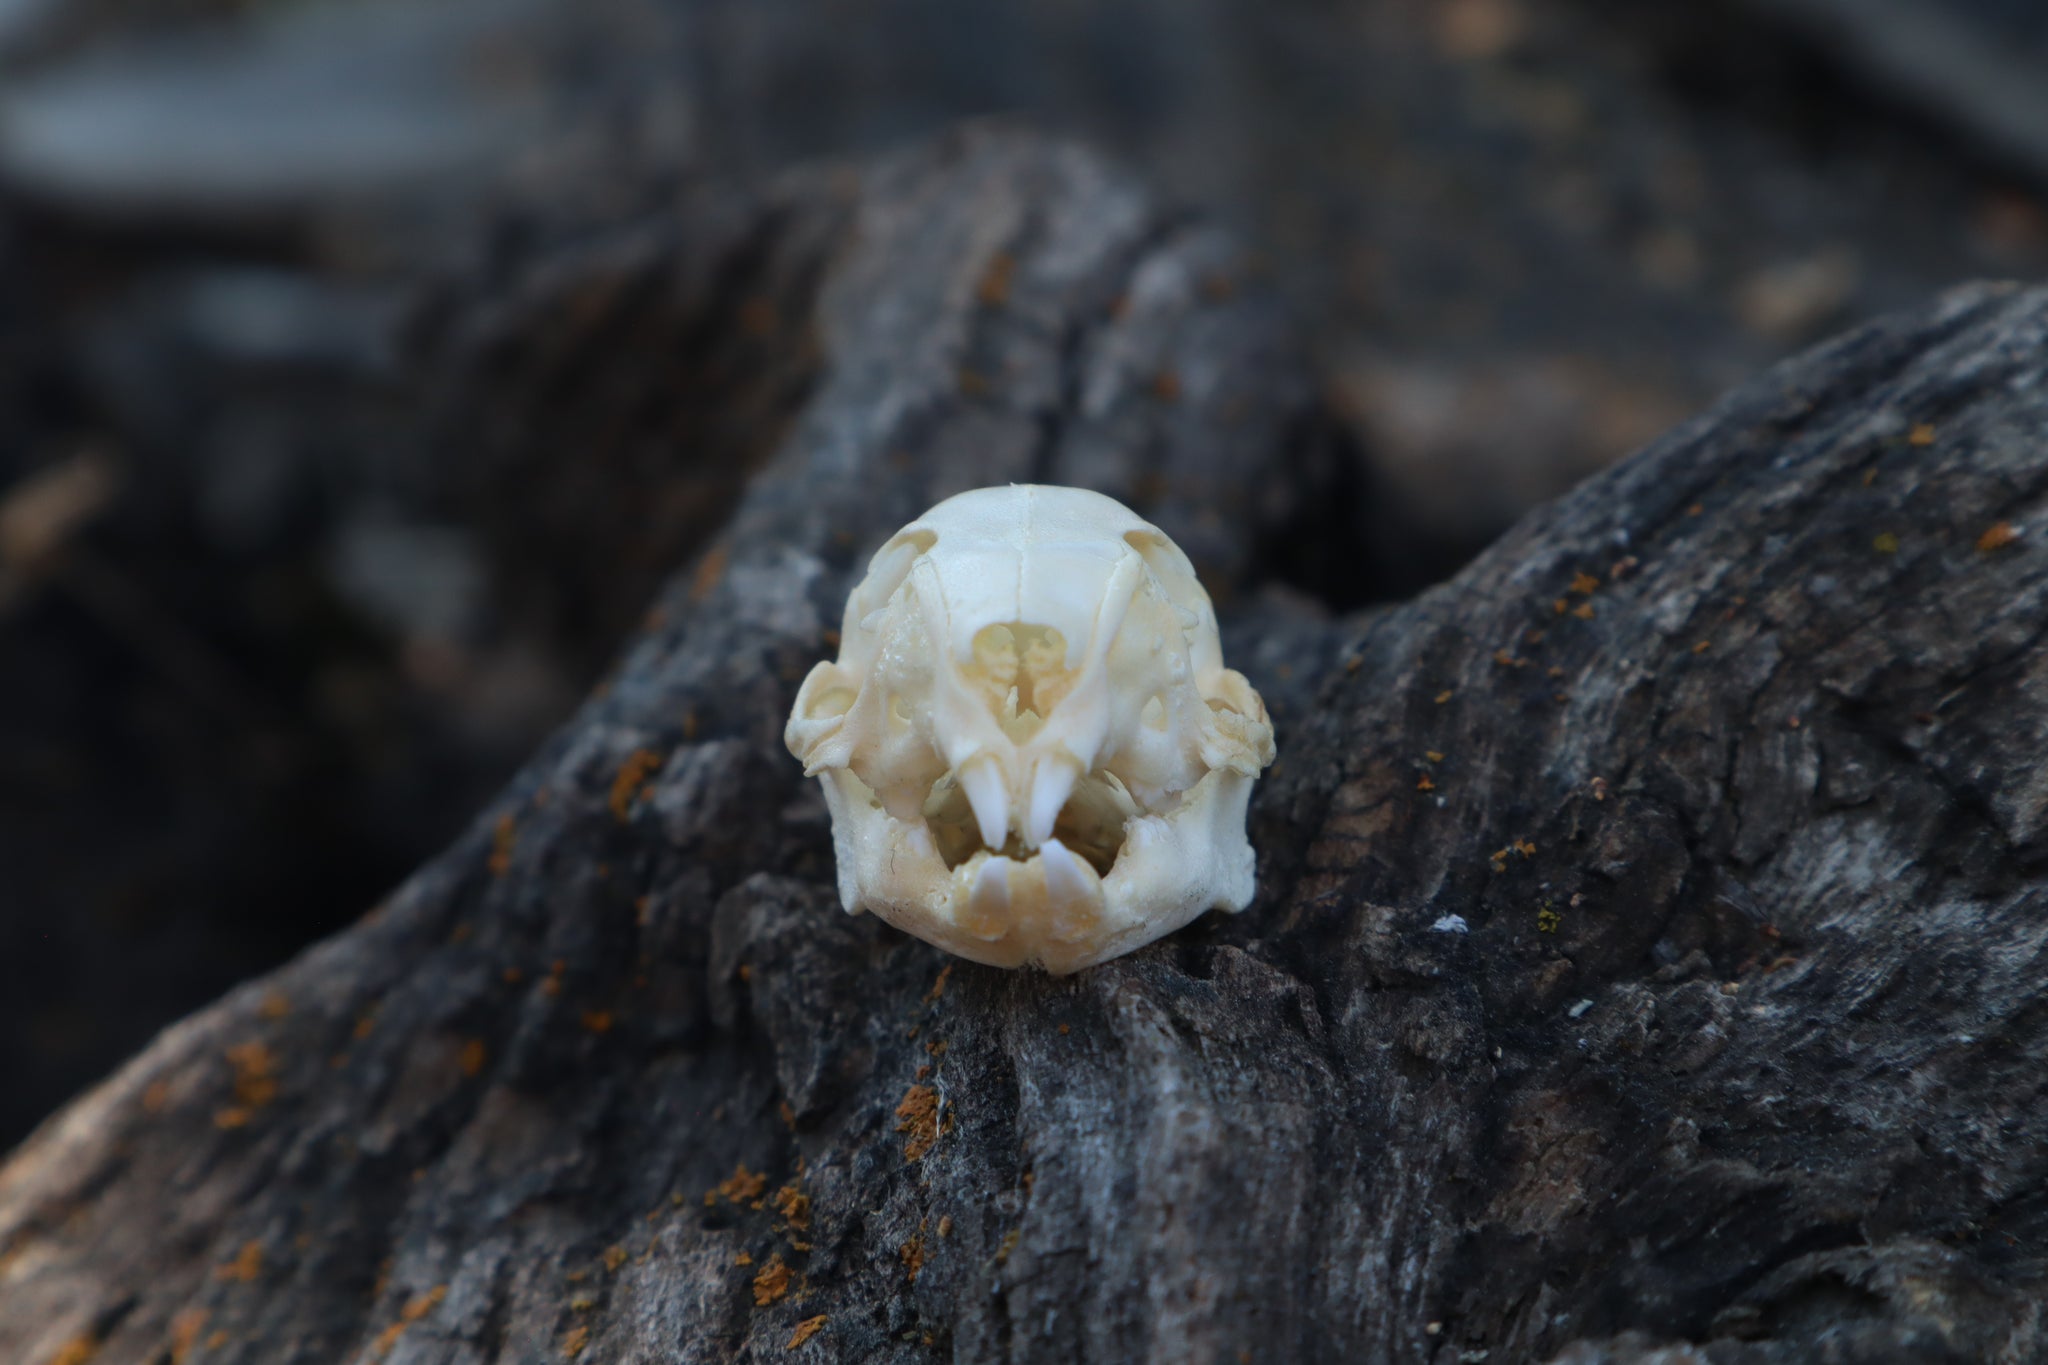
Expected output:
(1647, 951)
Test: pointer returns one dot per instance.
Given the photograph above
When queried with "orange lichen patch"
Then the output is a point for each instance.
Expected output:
(1922, 434)
(473, 1057)
(419, 1305)
(771, 1282)
(795, 1206)
(1997, 536)
(788, 1114)
(504, 835)
(1584, 611)
(917, 1117)
(1702, 646)
(244, 1268)
(231, 1117)
(741, 1187)
(1696, 509)
(805, 1330)
(993, 290)
(1525, 848)
(575, 1341)
(1009, 1244)
(938, 984)
(631, 780)
(77, 1351)
(597, 1021)
(255, 1068)
(1585, 584)
(276, 1005)
(365, 1025)
(1508, 660)
(1433, 755)
(1166, 386)
(156, 1097)
(185, 1330)
(1423, 784)
(911, 1253)
(1885, 543)
(1559, 605)
(710, 569)
(1443, 696)
(614, 1257)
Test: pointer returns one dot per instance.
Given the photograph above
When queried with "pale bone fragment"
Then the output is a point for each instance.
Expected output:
(1029, 744)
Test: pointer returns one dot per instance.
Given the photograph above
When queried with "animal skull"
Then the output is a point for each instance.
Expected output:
(1030, 747)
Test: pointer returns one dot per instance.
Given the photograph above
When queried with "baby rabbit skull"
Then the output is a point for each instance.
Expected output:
(1030, 747)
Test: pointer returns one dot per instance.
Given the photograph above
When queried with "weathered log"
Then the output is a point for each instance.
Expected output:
(1646, 952)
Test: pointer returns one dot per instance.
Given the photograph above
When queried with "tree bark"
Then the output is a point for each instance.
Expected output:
(1646, 953)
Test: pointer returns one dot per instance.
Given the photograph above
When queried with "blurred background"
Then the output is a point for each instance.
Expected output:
(265, 644)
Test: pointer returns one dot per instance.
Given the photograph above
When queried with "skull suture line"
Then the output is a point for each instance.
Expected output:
(1030, 747)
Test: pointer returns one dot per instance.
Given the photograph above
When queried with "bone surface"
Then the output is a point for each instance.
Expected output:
(1029, 744)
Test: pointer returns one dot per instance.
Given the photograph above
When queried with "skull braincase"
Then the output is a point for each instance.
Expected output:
(1029, 745)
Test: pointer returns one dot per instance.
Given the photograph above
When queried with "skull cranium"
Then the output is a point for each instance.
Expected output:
(1029, 744)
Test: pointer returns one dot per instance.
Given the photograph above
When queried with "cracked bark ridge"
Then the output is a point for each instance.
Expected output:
(1645, 964)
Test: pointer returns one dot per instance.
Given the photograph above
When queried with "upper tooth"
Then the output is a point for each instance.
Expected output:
(1050, 788)
(989, 795)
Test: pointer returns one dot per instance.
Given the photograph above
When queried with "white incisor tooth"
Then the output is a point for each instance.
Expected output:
(988, 900)
(982, 779)
(1068, 881)
(1050, 787)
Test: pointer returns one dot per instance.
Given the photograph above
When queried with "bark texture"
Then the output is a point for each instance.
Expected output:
(1646, 962)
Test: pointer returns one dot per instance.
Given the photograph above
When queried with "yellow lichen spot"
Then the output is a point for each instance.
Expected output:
(1009, 1244)
(1885, 543)
(578, 1337)
(504, 835)
(710, 569)
(743, 1259)
(1922, 434)
(1525, 848)
(631, 780)
(614, 1257)
(917, 1117)
(1443, 696)
(1997, 536)
(185, 1330)
(795, 1206)
(77, 1351)
(741, 1187)
(994, 289)
(1423, 784)
(1548, 920)
(244, 1268)
(771, 1282)
(1433, 755)
(805, 1330)
(255, 1068)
